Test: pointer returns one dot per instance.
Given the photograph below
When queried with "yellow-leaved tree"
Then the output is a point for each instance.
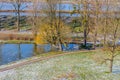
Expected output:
(52, 34)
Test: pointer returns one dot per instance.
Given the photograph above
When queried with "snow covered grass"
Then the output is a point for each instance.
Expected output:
(78, 66)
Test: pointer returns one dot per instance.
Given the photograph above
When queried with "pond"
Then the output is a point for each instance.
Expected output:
(14, 52)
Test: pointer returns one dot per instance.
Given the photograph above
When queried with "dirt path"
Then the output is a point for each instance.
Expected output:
(16, 65)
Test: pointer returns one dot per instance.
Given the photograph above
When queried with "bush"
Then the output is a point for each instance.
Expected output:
(88, 46)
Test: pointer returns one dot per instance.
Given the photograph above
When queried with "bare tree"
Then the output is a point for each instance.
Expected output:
(54, 18)
(96, 8)
(112, 48)
(105, 20)
(83, 9)
(35, 19)
(18, 6)
(35, 16)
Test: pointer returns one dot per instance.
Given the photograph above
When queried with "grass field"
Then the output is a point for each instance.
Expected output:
(75, 66)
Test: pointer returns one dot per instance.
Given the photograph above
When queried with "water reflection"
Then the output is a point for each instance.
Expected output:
(14, 52)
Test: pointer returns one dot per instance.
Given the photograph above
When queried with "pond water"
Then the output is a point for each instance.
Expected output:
(14, 52)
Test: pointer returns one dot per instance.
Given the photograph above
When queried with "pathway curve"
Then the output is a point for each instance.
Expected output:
(16, 65)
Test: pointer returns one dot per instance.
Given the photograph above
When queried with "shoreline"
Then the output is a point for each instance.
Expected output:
(38, 58)
(16, 42)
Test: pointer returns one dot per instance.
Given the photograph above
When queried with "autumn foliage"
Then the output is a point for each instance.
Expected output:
(48, 34)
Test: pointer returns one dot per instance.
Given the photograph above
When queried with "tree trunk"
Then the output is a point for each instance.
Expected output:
(60, 45)
(35, 49)
(104, 39)
(35, 45)
(18, 20)
(111, 65)
(85, 36)
(95, 39)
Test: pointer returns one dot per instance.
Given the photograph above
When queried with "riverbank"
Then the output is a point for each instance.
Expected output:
(16, 42)
(73, 66)
(37, 58)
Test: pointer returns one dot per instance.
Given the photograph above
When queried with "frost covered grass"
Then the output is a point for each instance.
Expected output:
(44, 55)
(78, 66)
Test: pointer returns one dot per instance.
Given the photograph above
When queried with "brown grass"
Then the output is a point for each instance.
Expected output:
(15, 36)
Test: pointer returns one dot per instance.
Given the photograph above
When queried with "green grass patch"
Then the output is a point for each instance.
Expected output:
(50, 54)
